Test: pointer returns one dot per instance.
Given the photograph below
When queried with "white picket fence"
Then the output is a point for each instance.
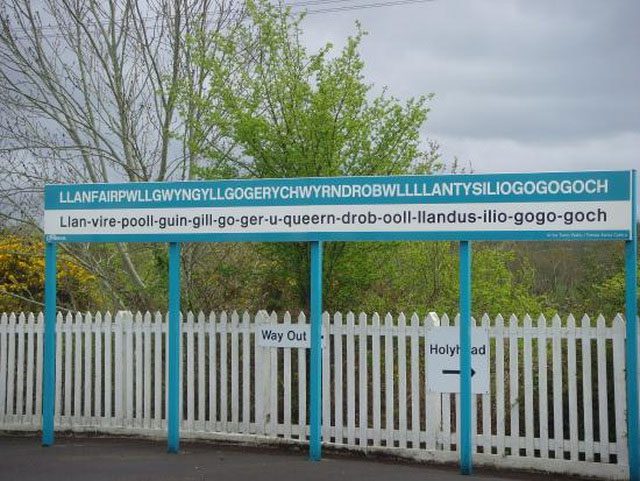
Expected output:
(557, 400)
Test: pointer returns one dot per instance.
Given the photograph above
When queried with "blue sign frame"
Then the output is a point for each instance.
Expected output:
(77, 213)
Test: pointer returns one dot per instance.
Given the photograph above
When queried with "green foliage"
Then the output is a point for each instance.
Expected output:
(500, 285)
(577, 277)
(423, 276)
(276, 110)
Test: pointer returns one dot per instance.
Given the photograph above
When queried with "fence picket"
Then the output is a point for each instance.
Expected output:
(273, 384)
(474, 406)
(603, 403)
(138, 356)
(224, 389)
(486, 400)
(287, 383)
(157, 371)
(87, 370)
(119, 369)
(351, 383)
(235, 398)
(58, 390)
(20, 332)
(4, 371)
(147, 394)
(67, 327)
(514, 393)
(543, 400)
(375, 373)
(415, 382)
(326, 380)
(259, 368)
(202, 387)
(433, 401)
(11, 369)
(108, 368)
(363, 381)
(246, 373)
(337, 377)
(97, 372)
(213, 374)
(527, 366)
(77, 370)
(587, 397)
(30, 367)
(456, 399)
(500, 386)
(389, 387)
(620, 391)
(402, 380)
(558, 432)
(573, 388)
(446, 433)
(39, 334)
(302, 385)
(190, 374)
(129, 372)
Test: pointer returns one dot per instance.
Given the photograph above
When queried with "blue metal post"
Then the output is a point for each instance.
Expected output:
(49, 360)
(315, 404)
(465, 441)
(631, 310)
(173, 416)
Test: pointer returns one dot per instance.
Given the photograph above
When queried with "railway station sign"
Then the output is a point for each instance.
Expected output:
(567, 205)
(443, 359)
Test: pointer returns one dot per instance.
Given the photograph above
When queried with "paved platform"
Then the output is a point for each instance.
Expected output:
(125, 459)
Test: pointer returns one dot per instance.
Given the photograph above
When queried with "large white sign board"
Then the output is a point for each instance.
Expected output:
(443, 360)
(565, 205)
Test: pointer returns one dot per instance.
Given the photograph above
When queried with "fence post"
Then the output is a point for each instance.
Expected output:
(49, 365)
(465, 435)
(315, 405)
(174, 415)
(631, 309)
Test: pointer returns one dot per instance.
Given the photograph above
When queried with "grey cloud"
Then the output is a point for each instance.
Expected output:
(531, 72)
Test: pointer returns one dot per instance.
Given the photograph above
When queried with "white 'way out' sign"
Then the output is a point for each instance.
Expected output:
(283, 335)
(443, 360)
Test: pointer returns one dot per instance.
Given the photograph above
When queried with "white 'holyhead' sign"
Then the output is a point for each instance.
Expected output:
(443, 360)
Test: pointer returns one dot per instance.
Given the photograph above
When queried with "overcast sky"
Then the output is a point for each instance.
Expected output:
(519, 85)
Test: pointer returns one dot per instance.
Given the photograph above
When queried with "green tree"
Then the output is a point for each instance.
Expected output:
(271, 108)
(423, 276)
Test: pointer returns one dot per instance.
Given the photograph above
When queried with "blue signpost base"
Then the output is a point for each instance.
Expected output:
(466, 461)
(49, 359)
(315, 404)
(173, 415)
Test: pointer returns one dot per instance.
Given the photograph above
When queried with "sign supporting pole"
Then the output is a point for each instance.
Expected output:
(465, 441)
(315, 404)
(173, 415)
(49, 359)
(631, 312)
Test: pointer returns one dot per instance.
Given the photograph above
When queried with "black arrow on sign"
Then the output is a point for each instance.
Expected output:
(457, 371)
